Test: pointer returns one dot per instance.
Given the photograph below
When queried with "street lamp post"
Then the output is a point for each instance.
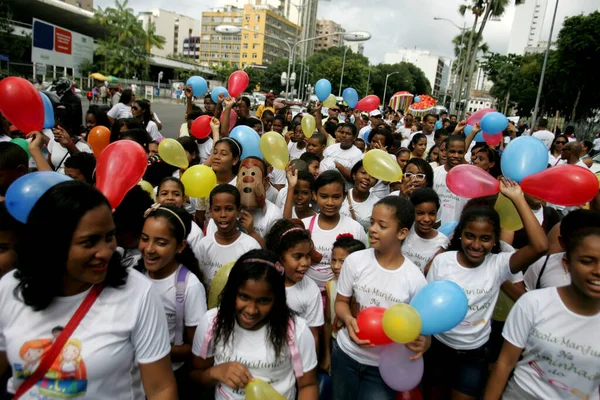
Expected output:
(385, 87)
(457, 92)
(343, 65)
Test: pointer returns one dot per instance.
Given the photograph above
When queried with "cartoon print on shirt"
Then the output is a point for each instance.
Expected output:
(66, 378)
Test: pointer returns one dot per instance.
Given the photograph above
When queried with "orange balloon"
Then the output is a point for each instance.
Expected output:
(98, 139)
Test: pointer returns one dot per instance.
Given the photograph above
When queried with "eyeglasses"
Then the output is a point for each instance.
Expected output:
(134, 108)
(335, 109)
(418, 177)
(560, 142)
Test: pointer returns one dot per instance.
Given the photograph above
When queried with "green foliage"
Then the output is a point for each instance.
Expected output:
(12, 45)
(125, 50)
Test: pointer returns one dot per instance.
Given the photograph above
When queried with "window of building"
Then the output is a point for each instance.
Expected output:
(244, 55)
(247, 18)
(255, 36)
(256, 46)
(244, 45)
(257, 17)
(245, 37)
(254, 55)
(256, 27)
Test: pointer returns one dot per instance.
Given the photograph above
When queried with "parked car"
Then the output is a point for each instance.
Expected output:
(250, 97)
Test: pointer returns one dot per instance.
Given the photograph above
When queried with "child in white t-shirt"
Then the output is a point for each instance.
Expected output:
(382, 277)
(226, 243)
(254, 334)
(551, 334)
(297, 141)
(344, 245)
(360, 200)
(299, 194)
(451, 204)
(424, 242)
(293, 245)
(477, 266)
(173, 269)
(329, 193)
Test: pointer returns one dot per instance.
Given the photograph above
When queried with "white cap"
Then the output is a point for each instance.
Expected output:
(375, 113)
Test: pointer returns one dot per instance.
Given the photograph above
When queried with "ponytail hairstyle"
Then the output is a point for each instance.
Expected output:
(262, 266)
(476, 213)
(347, 242)
(284, 235)
(180, 224)
(415, 140)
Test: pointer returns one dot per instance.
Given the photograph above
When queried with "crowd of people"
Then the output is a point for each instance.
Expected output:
(170, 296)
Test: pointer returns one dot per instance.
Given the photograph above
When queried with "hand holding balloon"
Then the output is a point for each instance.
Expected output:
(419, 346)
(353, 331)
(511, 189)
(233, 374)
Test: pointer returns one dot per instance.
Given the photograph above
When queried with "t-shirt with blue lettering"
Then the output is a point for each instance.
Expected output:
(481, 285)
(561, 356)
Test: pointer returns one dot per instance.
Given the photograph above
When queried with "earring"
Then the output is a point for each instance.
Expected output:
(565, 275)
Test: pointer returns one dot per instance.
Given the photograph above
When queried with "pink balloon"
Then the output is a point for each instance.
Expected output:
(21, 104)
(565, 185)
(238, 82)
(470, 182)
(476, 117)
(232, 118)
(493, 139)
(369, 103)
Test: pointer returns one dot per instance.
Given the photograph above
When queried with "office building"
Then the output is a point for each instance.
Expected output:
(176, 28)
(87, 5)
(326, 27)
(527, 26)
(435, 68)
(216, 48)
(356, 47)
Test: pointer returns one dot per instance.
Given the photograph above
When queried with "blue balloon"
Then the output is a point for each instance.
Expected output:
(323, 89)
(214, 94)
(468, 129)
(366, 137)
(48, 112)
(249, 140)
(524, 156)
(448, 228)
(325, 386)
(442, 305)
(417, 99)
(350, 96)
(479, 137)
(198, 84)
(23, 193)
(494, 122)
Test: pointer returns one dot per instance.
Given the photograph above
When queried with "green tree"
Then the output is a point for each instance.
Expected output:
(14, 46)
(461, 56)
(125, 49)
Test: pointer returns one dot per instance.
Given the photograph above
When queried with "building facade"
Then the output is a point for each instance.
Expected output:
(435, 67)
(326, 27)
(527, 26)
(174, 27)
(216, 48)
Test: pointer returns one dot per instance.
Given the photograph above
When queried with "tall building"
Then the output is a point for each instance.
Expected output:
(434, 67)
(326, 27)
(251, 46)
(176, 28)
(356, 47)
(527, 26)
(87, 5)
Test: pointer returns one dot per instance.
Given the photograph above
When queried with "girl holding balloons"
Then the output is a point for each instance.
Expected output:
(475, 262)
(550, 333)
(377, 277)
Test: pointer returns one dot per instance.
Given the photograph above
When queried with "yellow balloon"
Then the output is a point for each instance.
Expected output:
(147, 188)
(172, 152)
(258, 389)
(509, 216)
(199, 180)
(503, 306)
(382, 165)
(402, 323)
(218, 284)
(275, 150)
(309, 124)
(330, 101)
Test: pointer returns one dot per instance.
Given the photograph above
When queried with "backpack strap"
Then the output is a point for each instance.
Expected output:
(293, 346)
(207, 338)
(312, 223)
(180, 285)
(539, 279)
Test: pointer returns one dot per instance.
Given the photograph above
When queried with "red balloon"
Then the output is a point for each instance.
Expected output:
(414, 394)
(238, 82)
(565, 185)
(232, 118)
(21, 104)
(470, 182)
(370, 326)
(368, 104)
(201, 127)
(120, 167)
(493, 139)
(476, 117)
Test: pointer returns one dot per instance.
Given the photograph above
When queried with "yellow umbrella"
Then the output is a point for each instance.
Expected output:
(98, 76)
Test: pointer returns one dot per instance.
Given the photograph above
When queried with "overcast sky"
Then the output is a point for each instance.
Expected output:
(395, 24)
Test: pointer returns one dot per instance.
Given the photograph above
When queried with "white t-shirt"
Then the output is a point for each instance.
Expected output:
(119, 111)
(277, 177)
(561, 349)
(362, 211)
(481, 285)
(271, 194)
(205, 150)
(545, 136)
(347, 157)
(451, 205)
(265, 218)
(194, 303)
(597, 144)
(213, 255)
(294, 151)
(552, 276)
(420, 251)
(555, 161)
(324, 239)
(371, 285)
(152, 130)
(60, 154)
(251, 349)
(281, 196)
(305, 299)
(124, 327)
(580, 163)
(430, 138)
(381, 189)
(194, 238)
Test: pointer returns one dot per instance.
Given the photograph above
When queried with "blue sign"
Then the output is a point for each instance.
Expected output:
(3, 57)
